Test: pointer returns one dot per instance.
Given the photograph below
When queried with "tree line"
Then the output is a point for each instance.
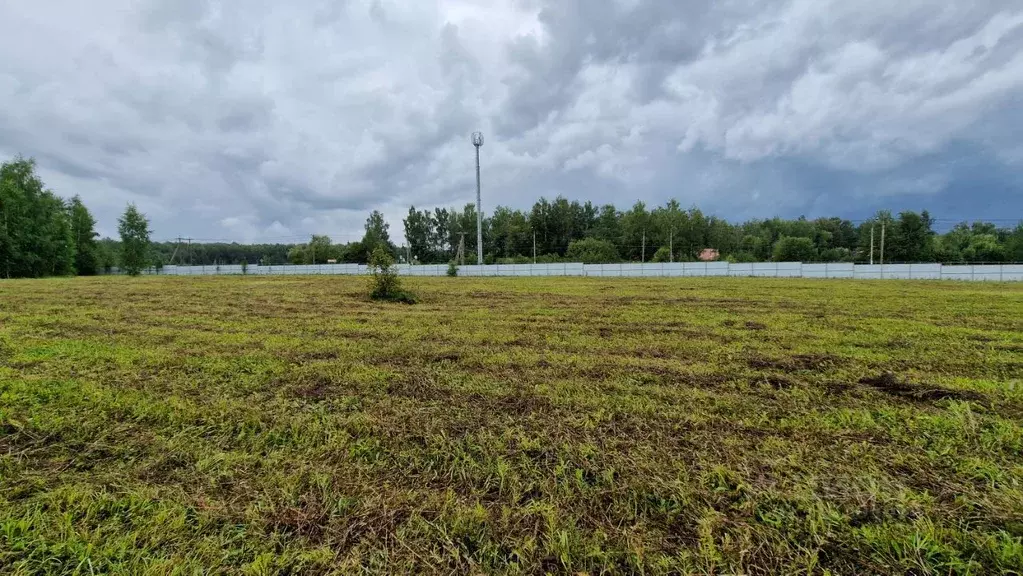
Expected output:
(563, 230)
(42, 234)
(581, 232)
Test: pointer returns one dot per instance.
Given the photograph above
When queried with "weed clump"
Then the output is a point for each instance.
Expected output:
(452, 269)
(386, 284)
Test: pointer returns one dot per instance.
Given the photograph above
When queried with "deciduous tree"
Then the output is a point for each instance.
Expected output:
(83, 234)
(133, 227)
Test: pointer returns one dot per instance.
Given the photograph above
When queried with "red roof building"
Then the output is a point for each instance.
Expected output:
(709, 255)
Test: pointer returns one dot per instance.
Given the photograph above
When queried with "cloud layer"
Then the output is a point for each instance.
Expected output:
(259, 120)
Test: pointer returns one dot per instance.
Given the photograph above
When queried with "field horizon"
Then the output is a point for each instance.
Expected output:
(288, 424)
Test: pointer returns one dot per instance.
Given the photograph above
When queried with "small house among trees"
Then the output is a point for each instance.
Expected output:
(709, 255)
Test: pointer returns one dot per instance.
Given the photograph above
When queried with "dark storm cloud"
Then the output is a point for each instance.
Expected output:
(654, 35)
(252, 120)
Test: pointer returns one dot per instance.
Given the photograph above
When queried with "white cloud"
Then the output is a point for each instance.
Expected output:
(850, 103)
(263, 119)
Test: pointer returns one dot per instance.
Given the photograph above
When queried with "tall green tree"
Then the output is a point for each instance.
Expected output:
(420, 231)
(608, 226)
(464, 222)
(911, 239)
(377, 234)
(55, 244)
(109, 251)
(35, 237)
(509, 233)
(317, 251)
(1014, 244)
(83, 234)
(441, 235)
(637, 233)
(542, 224)
(134, 230)
(882, 220)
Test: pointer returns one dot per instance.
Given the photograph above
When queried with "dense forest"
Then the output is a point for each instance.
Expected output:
(42, 234)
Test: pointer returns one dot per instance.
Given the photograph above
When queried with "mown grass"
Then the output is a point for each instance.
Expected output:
(291, 425)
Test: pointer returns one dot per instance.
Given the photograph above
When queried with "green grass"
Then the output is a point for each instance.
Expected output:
(708, 426)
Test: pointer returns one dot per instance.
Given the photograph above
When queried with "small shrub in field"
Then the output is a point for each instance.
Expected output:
(245, 267)
(386, 284)
(452, 269)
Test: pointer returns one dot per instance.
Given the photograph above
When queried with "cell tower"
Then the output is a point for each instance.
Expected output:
(477, 141)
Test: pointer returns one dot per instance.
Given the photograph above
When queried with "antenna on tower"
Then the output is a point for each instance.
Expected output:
(477, 141)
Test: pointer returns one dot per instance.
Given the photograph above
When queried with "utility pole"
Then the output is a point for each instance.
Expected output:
(643, 257)
(671, 245)
(477, 141)
(189, 251)
(871, 245)
(882, 243)
(175, 252)
(534, 246)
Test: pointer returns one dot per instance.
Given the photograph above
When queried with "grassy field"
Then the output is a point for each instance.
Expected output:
(290, 425)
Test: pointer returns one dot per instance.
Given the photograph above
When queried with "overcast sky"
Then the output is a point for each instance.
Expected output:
(266, 120)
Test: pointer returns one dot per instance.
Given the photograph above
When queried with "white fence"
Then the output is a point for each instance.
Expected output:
(979, 272)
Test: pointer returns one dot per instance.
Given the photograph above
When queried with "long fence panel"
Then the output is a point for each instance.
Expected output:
(838, 270)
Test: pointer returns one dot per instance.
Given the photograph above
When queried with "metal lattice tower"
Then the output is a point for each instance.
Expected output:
(477, 141)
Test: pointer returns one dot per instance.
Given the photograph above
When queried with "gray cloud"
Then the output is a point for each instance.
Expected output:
(262, 120)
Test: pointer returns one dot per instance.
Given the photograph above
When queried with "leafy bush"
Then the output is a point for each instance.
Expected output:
(386, 284)
(662, 255)
(592, 251)
(245, 266)
(794, 249)
(452, 269)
